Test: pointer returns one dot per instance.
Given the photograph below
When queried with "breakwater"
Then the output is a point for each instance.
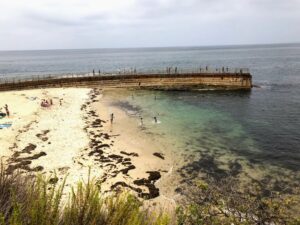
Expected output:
(238, 79)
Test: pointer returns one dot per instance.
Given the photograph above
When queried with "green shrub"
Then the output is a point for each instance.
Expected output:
(36, 201)
(223, 202)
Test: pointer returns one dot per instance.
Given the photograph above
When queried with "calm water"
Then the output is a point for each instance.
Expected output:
(255, 133)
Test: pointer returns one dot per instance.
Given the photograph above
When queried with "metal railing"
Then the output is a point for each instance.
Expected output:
(128, 71)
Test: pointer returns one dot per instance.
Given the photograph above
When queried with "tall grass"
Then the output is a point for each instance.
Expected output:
(34, 201)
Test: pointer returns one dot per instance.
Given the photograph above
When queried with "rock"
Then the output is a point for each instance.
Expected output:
(154, 175)
(159, 155)
(130, 154)
(29, 148)
(125, 170)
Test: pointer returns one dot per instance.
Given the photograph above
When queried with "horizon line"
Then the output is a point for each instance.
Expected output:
(157, 47)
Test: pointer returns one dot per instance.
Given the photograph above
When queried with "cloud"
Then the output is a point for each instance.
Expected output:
(124, 23)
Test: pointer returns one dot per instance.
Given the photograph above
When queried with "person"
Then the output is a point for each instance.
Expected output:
(51, 102)
(111, 118)
(99, 72)
(2, 114)
(6, 109)
(142, 121)
(44, 103)
(93, 72)
(155, 119)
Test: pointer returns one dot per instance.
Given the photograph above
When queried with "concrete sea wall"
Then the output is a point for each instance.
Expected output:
(151, 81)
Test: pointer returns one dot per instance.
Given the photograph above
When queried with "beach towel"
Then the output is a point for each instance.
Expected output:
(5, 125)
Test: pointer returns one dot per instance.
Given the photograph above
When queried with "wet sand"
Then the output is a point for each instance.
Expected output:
(69, 138)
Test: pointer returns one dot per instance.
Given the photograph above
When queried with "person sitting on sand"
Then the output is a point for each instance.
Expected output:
(2, 114)
(45, 103)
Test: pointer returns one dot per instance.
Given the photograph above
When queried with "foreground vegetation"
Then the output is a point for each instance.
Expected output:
(38, 201)
(223, 202)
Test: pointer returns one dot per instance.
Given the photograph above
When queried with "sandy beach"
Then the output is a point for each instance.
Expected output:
(75, 134)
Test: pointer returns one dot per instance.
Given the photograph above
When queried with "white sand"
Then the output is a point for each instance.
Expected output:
(67, 144)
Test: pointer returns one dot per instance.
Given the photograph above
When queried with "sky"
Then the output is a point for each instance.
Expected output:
(75, 24)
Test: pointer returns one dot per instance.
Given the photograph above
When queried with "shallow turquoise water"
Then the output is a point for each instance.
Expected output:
(214, 140)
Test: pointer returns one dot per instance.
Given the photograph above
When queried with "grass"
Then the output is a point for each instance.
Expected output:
(35, 201)
(31, 200)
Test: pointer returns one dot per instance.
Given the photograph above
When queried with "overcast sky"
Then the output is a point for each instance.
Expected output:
(56, 24)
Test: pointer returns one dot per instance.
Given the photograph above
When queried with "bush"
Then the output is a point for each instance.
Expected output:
(35, 201)
(223, 202)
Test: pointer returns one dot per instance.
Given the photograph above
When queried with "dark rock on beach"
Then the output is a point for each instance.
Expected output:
(29, 148)
(130, 154)
(149, 183)
(35, 156)
(97, 152)
(159, 155)
(123, 184)
(154, 176)
(126, 170)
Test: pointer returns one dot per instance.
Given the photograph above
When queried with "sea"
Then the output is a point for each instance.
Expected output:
(251, 135)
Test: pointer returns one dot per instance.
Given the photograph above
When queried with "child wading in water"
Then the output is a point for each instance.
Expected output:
(142, 121)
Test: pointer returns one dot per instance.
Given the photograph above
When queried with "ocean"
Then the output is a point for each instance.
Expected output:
(252, 134)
